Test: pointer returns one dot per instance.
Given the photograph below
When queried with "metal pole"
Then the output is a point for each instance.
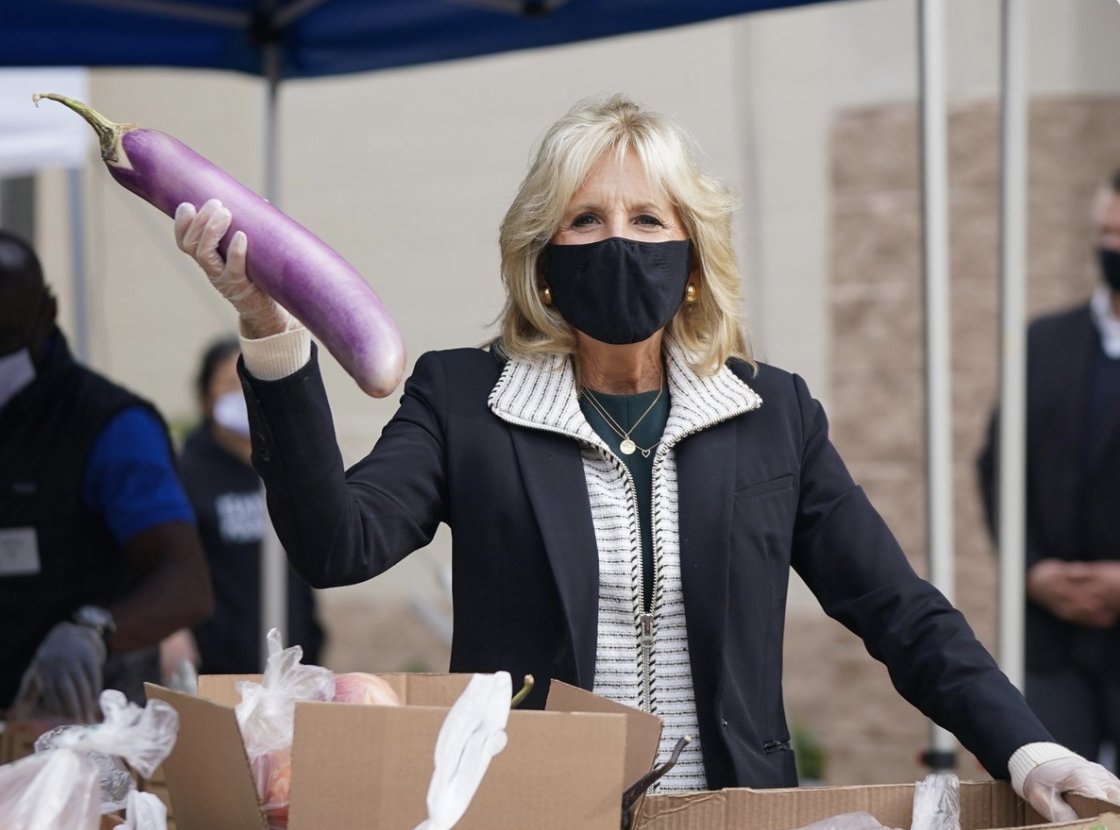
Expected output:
(272, 67)
(935, 250)
(274, 562)
(1013, 370)
(78, 265)
(17, 206)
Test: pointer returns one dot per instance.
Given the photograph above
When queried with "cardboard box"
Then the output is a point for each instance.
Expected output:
(984, 804)
(17, 738)
(369, 766)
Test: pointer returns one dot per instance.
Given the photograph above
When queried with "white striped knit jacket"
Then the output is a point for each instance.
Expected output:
(652, 674)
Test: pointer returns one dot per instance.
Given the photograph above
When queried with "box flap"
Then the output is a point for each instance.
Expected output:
(643, 730)
(991, 804)
(1106, 821)
(208, 775)
(788, 809)
(222, 688)
(694, 811)
(984, 804)
(358, 766)
(440, 690)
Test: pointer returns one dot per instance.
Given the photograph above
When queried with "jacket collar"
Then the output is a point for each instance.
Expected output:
(541, 393)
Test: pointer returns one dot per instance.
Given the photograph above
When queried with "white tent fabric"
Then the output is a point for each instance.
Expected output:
(31, 139)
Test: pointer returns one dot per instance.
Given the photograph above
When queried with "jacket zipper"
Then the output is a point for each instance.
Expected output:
(645, 615)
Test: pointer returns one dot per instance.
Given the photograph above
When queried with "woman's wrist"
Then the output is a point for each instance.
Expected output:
(278, 355)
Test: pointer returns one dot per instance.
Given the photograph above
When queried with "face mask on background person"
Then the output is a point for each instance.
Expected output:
(231, 413)
(618, 290)
(16, 373)
(1110, 267)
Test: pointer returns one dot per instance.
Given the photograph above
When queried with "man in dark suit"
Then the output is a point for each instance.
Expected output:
(1073, 505)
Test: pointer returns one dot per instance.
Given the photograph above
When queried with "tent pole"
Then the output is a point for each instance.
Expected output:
(17, 205)
(1013, 371)
(274, 562)
(935, 252)
(271, 111)
(78, 263)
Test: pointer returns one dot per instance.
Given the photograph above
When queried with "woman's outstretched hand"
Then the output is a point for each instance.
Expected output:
(1045, 784)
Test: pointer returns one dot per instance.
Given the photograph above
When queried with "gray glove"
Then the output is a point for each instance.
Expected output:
(64, 678)
(1044, 785)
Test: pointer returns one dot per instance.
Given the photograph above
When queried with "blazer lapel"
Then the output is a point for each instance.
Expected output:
(706, 472)
(1063, 359)
(539, 399)
(552, 469)
(702, 430)
(1084, 343)
(1101, 325)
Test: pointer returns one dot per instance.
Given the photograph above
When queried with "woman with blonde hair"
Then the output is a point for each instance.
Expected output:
(627, 490)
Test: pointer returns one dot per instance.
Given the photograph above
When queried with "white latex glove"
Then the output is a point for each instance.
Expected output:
(198, 234)
(1044, 785)
(473, 732)
(64, 678)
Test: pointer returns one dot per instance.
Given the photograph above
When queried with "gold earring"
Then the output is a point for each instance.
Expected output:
(546, 296)
(691, 293)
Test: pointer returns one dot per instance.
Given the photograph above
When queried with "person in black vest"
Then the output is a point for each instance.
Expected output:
(1073, 505)
(99, 556)
(227, 498)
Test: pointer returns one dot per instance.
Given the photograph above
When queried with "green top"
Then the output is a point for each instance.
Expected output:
(626, 409)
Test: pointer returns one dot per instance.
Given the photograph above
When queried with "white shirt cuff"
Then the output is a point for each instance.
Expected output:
(278, 355)
(1029, 756)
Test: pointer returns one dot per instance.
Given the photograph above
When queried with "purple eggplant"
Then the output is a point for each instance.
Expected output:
(286, 260)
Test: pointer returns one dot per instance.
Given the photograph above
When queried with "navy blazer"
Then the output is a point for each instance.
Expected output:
(758, 494)
(1071, 512)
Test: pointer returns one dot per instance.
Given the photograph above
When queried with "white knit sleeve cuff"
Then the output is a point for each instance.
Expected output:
(1029, 756)
(277, 356)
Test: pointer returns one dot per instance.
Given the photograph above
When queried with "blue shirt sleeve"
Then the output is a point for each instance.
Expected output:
(130, 477)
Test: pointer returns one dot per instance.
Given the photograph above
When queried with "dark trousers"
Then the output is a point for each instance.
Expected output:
(1082, 711)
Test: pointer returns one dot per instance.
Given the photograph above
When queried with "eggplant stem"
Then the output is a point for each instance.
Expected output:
(107, 131)
(524, 693)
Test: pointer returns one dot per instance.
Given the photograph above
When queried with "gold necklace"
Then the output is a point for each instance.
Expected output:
(626, 445)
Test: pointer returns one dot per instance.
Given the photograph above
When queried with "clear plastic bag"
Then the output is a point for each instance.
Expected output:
(266, 717)
(847, 821)
(50, 790)
(76, 772)
(937, 803)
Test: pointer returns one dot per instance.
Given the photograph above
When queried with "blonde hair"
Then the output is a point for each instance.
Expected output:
(711, 329)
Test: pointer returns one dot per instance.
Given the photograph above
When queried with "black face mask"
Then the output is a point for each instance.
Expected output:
(618, 290)
(1110, 267)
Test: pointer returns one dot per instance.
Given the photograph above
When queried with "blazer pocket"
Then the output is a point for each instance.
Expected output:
(761, 487)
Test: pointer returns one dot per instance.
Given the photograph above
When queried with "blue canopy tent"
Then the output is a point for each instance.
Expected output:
(324, 37)
(281, 39)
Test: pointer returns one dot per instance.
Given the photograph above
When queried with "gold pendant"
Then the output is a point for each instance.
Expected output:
(627, 446)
